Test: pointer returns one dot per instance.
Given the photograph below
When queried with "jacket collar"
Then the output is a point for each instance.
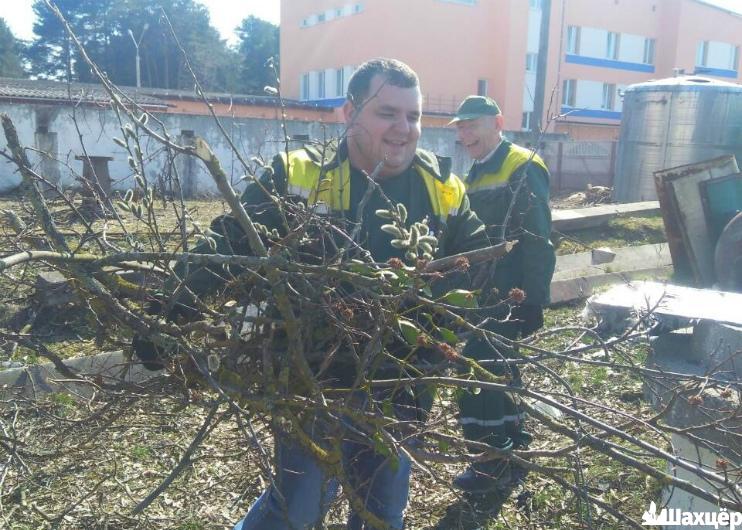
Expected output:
(493, 164)
(337, 153)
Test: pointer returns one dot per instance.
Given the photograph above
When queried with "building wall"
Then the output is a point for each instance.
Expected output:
(98, 126)
(717, 26)
(453, 44)
(422, 33)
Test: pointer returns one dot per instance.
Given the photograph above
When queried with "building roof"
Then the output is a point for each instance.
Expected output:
(61, 92)
(233, 99)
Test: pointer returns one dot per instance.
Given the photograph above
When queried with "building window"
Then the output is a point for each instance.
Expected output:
(357, 8)
(612, 44)
(648, 51)
(573, 40)
(321, 17)
(569, 92)
(702, 53)
(305, 86)
(482, 87)
(339, 82)
(534, 4)
(525, 123)
(735, 60)
(531, 62)
(311, 20)
(609, 96)
(321, 84)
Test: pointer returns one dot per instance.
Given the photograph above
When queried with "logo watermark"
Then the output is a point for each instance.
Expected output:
(677, 517)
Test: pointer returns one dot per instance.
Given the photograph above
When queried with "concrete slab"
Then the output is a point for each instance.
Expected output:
(37, 380)
(626, 259)
(575, 276)
(673, 305)
(592, 216)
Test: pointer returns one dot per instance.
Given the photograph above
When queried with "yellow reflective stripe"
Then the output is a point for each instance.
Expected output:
(333, 188)
(331, 191)
(305, 179)
(487, 187)
(517, 156)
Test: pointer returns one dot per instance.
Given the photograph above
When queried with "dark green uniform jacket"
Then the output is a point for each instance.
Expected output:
(427, 189)
(491, 416)
(457, 227)
(491, 186)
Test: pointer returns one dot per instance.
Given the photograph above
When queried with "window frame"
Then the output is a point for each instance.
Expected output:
(569, 93)
(573, 40)
(483, 83)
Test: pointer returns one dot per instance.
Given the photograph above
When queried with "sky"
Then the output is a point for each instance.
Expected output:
(225, 14)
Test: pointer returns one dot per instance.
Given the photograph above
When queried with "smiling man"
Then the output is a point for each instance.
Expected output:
(383, 113)
(508, 187)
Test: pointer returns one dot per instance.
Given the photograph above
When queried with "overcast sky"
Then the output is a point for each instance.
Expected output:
(225, 14)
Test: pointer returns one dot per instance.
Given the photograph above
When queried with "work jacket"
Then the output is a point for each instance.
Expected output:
(328, 184)
(491, 187)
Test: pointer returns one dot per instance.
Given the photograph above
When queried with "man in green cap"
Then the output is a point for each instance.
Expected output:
(508, 188)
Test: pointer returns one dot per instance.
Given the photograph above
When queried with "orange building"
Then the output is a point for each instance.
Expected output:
(538, 58)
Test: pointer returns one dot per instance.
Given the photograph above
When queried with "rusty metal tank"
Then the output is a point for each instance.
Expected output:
(672, 122)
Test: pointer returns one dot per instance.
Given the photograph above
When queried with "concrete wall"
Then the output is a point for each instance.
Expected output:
(51, 128)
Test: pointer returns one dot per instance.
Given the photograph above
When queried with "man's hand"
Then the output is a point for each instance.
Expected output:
(530, 317)
(151, 355)
(147, 352)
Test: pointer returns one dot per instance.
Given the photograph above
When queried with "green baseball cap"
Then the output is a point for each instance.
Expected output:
(475, 107)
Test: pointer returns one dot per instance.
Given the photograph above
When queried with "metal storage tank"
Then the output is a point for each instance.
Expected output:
(672, 122)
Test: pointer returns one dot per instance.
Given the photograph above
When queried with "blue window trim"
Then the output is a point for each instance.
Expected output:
(572, 112)
(719, 72)
(328, 102)
(609, 63)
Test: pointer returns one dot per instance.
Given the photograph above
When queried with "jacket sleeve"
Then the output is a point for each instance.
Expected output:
(533, 234)
(464, 232)
(228, 238)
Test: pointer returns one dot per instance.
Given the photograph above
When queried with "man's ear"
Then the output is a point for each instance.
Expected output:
(500, 122)
(349, 111)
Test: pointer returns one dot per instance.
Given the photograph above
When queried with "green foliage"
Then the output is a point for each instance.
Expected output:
(64, 403)
(10, 53)
(460, 298)
(409, 330)
(140, 452)
(103, 28)
(258, 44)
(416, 241)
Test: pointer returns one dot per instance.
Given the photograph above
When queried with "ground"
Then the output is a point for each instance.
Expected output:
(85, 462)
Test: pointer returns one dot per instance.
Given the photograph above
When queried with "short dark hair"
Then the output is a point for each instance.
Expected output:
(395, 73)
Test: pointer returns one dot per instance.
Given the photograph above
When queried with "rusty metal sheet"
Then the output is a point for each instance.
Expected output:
(685, 195)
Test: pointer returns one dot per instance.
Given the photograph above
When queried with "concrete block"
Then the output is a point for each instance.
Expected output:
(719, 345)
(673, 352)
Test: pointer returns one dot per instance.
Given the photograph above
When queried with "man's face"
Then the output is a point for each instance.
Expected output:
(386, 128)
(481, 135)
